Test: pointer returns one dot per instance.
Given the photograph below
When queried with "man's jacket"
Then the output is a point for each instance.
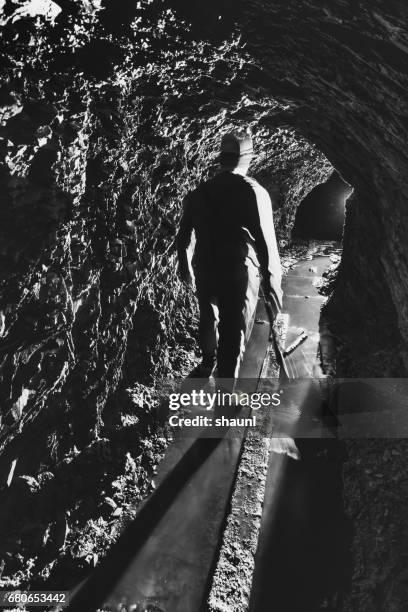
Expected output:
(232, 219)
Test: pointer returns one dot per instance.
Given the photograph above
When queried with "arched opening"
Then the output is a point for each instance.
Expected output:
(321, 214)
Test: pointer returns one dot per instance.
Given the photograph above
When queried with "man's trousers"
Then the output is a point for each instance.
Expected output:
(227, 299)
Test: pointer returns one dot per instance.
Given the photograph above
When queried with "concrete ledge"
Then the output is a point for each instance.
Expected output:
(231, 585)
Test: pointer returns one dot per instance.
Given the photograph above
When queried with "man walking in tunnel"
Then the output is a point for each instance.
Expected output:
(235, 249)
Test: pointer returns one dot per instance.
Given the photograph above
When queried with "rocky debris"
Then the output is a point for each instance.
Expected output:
(298, 250)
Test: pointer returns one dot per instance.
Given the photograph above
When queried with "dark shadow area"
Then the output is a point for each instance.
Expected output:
(303, 561)
(304, 556)
(321, 214)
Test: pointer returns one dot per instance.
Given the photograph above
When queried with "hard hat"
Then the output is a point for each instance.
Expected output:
(238, 143)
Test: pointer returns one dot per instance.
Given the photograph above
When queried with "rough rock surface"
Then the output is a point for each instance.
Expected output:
(100, 140)
(108, 117)
(96, 162)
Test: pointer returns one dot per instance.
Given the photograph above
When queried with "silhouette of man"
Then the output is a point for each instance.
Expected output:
(235, 247)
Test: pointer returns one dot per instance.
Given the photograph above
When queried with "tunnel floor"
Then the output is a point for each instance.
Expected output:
(304, 533)
(303, 560)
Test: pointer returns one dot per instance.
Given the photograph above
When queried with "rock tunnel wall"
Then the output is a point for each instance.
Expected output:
(342, 69)
(104, 128)
(101, 139)
(108, 117)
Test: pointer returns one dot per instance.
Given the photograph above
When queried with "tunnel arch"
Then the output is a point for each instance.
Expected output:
(333, 74)
(321, 214)
(337, 93)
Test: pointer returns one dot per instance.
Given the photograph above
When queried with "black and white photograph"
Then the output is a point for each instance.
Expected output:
(204, 305)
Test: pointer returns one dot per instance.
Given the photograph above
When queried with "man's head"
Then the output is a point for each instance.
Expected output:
(236, 151)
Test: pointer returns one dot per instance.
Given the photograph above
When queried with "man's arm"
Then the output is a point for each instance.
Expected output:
(267, 248)
(183, 241)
